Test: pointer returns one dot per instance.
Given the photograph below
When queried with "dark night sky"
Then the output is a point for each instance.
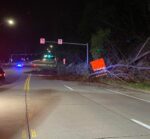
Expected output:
(51, 19)
(73, 21)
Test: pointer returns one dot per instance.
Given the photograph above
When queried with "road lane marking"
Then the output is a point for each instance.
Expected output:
(116, 92)
(27, 90)
(69, 87)
(33, 133)
(24, 134)
(140, 123)
(27, 84)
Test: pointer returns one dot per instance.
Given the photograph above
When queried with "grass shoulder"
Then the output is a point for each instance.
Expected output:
(141, 86)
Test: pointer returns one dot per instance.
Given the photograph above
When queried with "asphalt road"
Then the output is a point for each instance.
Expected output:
(11, 75)
(34, 107)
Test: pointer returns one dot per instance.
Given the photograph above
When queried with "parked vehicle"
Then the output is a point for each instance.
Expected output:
(2, 74)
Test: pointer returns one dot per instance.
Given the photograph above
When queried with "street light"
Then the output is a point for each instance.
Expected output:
(10, 22)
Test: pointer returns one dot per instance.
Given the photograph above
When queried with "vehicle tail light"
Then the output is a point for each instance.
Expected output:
(34, 65)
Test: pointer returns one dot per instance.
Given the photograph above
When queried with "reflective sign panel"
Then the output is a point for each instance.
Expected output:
(98, 64)
(60, 41)
(42, 40)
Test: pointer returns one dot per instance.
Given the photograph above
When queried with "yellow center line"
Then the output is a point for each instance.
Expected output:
(27, 84)
(24, 134)
(32, 131)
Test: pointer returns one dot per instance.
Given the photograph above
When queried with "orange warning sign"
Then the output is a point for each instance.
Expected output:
(98, 64)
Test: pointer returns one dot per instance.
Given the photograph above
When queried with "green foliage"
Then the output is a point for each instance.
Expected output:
(140, 85)
(97, 42)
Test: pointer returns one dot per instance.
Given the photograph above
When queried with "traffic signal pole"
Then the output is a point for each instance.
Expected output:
(79, 44)
(87, 54)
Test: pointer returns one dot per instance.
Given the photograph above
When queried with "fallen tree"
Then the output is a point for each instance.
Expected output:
(129, 69)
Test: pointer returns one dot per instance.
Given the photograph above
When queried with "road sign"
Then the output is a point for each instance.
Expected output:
(42, 40)
(64, 61)
(98, 64)
(60, 41)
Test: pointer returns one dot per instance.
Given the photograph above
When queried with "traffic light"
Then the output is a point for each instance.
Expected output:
(45, 56)
(48, 56)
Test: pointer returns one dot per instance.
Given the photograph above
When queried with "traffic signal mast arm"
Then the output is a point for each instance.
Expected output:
(60, 42)
(84, 44)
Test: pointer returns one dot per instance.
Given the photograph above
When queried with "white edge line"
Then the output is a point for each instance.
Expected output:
(140, 123)
(129, 96)
(69, 87)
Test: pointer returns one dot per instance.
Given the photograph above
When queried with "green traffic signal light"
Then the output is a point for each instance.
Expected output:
(49, 56)
(45, 56)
